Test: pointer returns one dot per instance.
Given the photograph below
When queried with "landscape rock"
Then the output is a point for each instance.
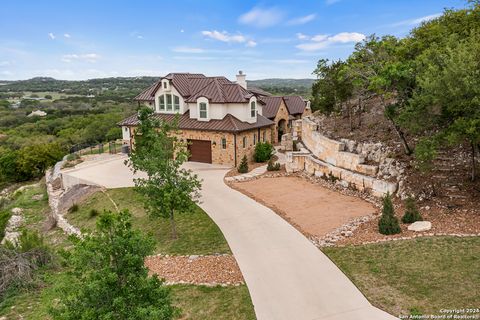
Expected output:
(17, 211)
(37, 197)
(420, 226)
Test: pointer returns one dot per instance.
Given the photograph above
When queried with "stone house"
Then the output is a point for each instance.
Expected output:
(221, 120)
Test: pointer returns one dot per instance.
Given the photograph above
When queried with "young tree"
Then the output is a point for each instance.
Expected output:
(158, 152)
(243, 167)
(411, 213)
(388, 223)
(109, 278)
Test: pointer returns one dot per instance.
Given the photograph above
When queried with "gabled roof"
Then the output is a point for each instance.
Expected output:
(295, 104)
(194, 85)
(228, 124)
(272, 104)
(259, 92)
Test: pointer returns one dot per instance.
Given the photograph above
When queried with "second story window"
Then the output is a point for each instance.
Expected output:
(161, 102)
(165, 84)
(253, 109)
(176, 103)
(169, 102)
(203, 110)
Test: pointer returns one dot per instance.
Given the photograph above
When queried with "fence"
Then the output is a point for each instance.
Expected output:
(111, 147)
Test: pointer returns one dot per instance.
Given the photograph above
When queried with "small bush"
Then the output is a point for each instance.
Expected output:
(4, 217)
(411, 213)
(73, 208)
(263, 152)
(273, 166)
(388, 223)
(94, 213)
(243, 167)
(73, 156)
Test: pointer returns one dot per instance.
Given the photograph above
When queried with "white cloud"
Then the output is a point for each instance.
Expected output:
(251, 43)
(322, 41)
(88, 57)
(301, 36)
(182, 31)
(415, 21)
(51, 36)
(261, 17)
(302, 20)
(224, 36)
(188, 50)
(4, 63)
(67, 35)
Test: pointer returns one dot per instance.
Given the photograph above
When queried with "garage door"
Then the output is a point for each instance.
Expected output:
(200, 151)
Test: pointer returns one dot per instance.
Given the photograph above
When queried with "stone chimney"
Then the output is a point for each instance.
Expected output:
(241, 79)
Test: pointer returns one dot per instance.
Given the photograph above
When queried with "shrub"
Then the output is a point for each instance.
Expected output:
(411, 213)
(388, 223)
(273, 166)
(94, 213)
(4, 217)
(243, 167)
(73, 208)
(263, 152)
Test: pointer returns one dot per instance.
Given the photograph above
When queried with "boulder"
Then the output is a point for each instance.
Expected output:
(420, 226)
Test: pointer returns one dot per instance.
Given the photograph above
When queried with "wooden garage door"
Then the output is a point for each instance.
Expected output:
(200, 151)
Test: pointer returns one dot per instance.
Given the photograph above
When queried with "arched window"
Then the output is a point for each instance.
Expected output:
(253, 109)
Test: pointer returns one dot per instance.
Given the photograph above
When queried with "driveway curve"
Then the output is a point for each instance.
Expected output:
(287, 276)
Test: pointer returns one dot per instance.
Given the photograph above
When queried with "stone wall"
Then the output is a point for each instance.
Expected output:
(326, 157)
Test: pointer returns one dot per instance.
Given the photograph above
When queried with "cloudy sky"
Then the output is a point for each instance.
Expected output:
(91, 39)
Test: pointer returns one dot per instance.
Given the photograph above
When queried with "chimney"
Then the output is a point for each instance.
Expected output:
(241, 79)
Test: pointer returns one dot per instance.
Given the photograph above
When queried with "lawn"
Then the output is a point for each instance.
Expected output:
(420, 276)
(196, 302)
(197, 233)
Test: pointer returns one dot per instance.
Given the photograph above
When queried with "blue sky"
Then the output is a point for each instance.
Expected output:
(91, 39)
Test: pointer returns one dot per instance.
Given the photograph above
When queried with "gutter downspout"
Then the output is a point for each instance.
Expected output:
(235, 148)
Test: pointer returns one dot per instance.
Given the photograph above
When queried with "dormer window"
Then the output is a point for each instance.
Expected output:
(169, 102)
(176, 103)
(202, 107)
(165, 84)
(253, 109)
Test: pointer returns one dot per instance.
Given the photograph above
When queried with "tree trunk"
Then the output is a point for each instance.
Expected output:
(473, 161)
(360, 111)
(172, 224)
(350, 115)
(399, 131)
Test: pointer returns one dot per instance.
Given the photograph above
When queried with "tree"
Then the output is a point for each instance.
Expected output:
(411, 213)
(263, 151)
(158, 152)
(109, 279)
(243, 167)
(388, 223)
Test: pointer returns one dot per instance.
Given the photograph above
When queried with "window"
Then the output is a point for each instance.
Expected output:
(165, 84)
(203, 110)
(126, 129)
(253, 109)
(176, 103)
(169, 102)
(264, 138)
(254, 139)
(244, 142)
(224, 143)
(161, 102)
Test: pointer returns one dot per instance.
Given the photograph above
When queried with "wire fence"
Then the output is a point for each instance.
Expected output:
(111, 147)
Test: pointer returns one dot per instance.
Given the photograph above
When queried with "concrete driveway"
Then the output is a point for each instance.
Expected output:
(287, 276)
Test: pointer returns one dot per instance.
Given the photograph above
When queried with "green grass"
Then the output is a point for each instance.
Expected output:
(196, 302)
(197, 233)
(418, 276)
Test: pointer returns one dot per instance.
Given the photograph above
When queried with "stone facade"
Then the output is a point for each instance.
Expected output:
(226, 156)
(282, 115)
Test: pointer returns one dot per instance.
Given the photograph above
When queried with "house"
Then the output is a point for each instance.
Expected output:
(221, 120)
(37, 113)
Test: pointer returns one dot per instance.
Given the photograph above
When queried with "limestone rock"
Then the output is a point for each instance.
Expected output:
(17, 211)
(420, 226)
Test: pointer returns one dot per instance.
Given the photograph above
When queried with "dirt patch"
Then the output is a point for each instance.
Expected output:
(210, 270)
(311, 208)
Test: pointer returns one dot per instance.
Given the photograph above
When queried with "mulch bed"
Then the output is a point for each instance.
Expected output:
(194, 269)
(251, 165)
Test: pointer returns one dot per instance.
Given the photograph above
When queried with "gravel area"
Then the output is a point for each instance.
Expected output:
(194, 269)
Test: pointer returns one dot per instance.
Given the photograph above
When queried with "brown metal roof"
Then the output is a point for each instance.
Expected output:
(295, 104)
(147, 95)
(259, 92)
(228, 124)
(272, 104)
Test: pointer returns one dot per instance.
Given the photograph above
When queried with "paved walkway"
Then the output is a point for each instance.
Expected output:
(287, 276)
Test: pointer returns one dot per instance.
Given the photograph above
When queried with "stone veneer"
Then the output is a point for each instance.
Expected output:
(328, 157)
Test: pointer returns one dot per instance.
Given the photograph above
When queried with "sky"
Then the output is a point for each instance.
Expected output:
(86, 39)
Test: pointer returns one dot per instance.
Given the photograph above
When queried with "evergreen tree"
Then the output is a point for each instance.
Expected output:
(411, 213)
(243, 167)
(388, 223)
